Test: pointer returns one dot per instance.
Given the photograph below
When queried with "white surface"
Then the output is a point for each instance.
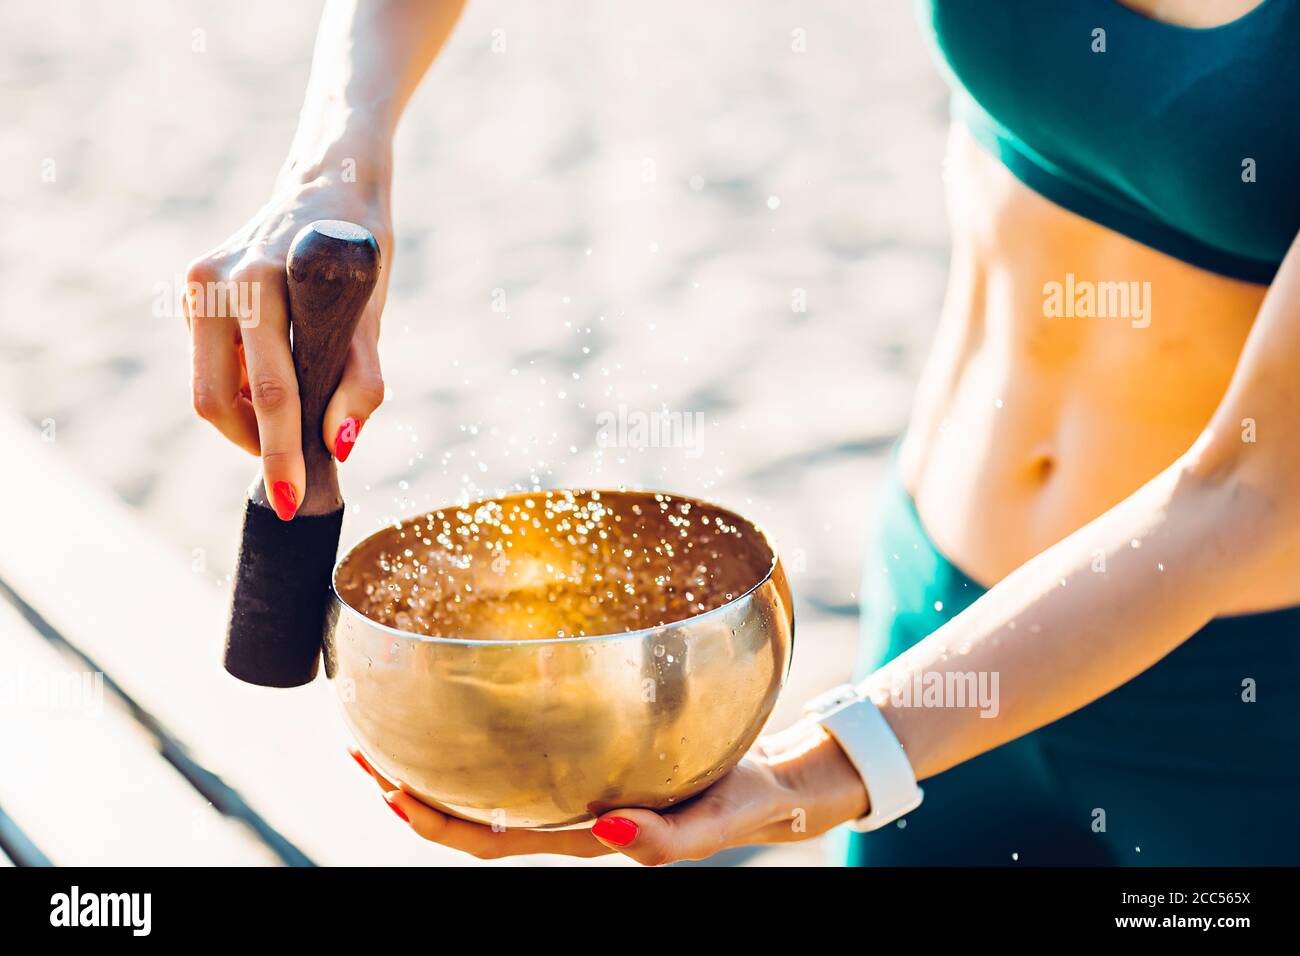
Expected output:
(84, 783)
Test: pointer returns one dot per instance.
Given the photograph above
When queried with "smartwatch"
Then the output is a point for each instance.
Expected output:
(869, 742)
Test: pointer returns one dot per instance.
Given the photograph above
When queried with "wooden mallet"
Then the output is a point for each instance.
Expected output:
(282, 581)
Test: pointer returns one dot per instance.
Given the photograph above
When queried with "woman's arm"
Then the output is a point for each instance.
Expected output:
(368, 61)
(369, 58)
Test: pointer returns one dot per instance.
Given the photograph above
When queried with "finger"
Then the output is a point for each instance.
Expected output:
(384, 783)
(243, 378)
(360, 392)
(474, 838)
(694, 831)
(653, 839)
(484, 842)
(273, 387)
(643, 835)
(215, 365)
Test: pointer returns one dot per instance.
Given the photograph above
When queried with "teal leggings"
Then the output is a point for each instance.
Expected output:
(1173, 768)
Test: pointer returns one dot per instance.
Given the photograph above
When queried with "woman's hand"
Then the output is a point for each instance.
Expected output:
(236, 304)
(369, 58)
(791, 786)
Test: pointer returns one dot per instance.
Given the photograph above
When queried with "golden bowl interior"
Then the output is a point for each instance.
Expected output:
(554, 564)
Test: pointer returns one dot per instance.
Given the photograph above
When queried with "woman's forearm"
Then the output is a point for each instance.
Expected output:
(368, 61)
(1074, 622)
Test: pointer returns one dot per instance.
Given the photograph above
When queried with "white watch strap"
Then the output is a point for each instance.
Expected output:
(866, 737)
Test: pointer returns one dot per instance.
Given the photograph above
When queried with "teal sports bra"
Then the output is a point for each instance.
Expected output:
(1184, 139)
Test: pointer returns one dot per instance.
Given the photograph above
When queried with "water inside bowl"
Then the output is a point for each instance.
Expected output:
(555, 564)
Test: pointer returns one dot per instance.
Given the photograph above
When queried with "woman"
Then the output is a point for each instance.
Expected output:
(1095, 513)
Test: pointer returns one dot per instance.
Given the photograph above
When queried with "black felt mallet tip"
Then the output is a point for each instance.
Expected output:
(282, 580)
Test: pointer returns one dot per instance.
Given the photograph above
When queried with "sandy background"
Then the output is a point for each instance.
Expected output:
(651, 186)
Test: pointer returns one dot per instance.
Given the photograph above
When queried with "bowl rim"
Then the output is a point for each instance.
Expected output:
(589, 638)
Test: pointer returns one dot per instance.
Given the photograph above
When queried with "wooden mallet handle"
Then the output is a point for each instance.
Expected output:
(282, 581)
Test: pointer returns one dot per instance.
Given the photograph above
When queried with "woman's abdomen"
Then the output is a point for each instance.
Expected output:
(1070, 366)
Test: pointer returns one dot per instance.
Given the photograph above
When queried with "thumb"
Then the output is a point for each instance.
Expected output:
(690, 833)
(360, 392)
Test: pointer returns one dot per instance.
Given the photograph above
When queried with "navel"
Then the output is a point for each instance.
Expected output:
(1041, 468)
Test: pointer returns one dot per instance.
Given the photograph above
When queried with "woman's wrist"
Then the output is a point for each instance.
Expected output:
(817, 773)
(920, 731)
(353, 152)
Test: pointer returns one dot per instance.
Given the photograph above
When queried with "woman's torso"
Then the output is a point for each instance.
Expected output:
(1072, 362)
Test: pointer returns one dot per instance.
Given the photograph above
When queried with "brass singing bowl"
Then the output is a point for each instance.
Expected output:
(506, 723)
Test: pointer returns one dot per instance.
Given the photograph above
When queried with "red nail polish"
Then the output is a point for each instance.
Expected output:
(346, 438)
(361, 761)
(619, 831)
(398, 810)
(284, 499)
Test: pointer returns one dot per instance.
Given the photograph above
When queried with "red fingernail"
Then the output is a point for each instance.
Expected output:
(346, 438)
(619, 831)
(398, 810)
(284, 499)
(361, 761)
